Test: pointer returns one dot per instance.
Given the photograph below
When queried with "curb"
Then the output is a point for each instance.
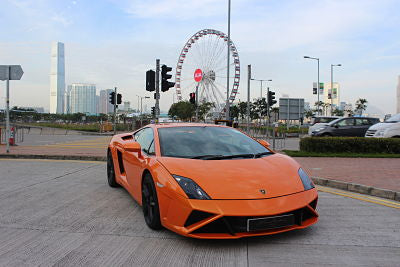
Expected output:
(358, 188)
(56, 157)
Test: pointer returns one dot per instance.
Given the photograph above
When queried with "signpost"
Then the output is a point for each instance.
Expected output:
(7, 73)
(198, 76)
(291, 109)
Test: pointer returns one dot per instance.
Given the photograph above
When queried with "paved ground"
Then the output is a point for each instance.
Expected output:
(377, 172)
(81, 145)
(63, 213)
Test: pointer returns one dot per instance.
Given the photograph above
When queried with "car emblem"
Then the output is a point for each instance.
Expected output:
(262, 191)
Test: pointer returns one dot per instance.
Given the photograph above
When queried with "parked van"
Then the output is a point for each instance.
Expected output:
(387, 129)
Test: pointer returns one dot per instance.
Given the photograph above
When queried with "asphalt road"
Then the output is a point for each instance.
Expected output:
(63, 213)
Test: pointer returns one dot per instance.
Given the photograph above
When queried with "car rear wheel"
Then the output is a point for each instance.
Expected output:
(111, 171)
(150, 206)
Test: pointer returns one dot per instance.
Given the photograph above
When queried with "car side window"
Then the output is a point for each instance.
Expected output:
(345, 122)
(145, 138)
(362, 122)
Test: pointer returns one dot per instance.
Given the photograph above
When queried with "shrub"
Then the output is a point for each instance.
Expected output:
(350, 145)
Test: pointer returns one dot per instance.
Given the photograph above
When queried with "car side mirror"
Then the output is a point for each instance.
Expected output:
(264, 143)
(336, 126)
(133, 147)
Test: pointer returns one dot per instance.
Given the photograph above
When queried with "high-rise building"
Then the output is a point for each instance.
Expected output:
(82, 98)
(398, 96)
(104, 102)
(334, 94)
(127, 106)
(57, 78)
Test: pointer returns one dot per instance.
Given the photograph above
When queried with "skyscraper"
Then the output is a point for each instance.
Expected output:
(398, 96)
(104, 105)
(82, 98)
(57, 78)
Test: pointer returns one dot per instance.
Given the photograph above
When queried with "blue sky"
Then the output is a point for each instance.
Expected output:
(113, 42)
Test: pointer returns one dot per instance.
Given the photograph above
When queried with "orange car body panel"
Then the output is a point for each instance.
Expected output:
(233, 186)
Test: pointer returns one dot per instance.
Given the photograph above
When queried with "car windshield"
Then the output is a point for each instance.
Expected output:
(394, 118)
(208, 142)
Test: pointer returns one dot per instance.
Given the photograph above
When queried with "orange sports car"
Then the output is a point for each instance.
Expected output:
(211, 181)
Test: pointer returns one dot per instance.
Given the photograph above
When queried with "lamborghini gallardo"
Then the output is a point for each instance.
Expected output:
(211, 181)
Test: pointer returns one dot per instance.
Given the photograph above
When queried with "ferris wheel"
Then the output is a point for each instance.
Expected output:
(202, 64)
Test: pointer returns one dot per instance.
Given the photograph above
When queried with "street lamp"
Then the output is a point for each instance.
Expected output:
(307, 57)
(333, 65)
(141, 109)
(261, 81)
(227, 115)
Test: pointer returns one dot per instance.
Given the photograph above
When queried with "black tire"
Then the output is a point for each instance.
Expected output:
(151, 210)
(111, 171)
(326, 135)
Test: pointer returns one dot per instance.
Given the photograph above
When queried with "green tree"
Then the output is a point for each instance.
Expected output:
(204, 109)
(338, 112)
(234, 110)
(182, 110)
(361, 105)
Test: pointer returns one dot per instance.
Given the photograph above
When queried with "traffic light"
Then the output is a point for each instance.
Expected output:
(192, 98)
(271, 98)
(112, 98)
(153, 111)
(150, 80)
(165, 84)
(119, 99)
(314, 91)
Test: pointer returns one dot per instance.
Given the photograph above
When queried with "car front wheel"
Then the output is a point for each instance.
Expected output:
(111, 171)
(150, 206)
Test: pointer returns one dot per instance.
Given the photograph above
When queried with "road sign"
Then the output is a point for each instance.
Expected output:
(16, 72)
(198, 75)
(291, 108)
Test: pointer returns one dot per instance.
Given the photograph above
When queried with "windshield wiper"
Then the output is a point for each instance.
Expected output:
(258, 155)
(206, 157)
(230, 156)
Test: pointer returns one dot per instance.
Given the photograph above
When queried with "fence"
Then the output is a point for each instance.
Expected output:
(276, 138)
(18, 136)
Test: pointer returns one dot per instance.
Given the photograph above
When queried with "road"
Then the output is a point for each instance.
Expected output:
(64, 213)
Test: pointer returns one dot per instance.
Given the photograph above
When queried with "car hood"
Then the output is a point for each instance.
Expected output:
(384, 126)
(240, 178)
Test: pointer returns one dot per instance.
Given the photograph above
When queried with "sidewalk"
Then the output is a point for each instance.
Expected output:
(381, 173)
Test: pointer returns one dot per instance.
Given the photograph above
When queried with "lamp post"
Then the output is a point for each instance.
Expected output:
(227, 115)
(307, 57)
(261, 82)
(141, 108)
(333, 65)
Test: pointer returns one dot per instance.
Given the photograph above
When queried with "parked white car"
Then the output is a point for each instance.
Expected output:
(389, 128)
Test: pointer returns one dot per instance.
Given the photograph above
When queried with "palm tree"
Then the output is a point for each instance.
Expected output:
(361, 105)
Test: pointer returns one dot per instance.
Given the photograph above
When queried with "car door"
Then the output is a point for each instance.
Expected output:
(361, 126)
(343, 127)
(134, 163)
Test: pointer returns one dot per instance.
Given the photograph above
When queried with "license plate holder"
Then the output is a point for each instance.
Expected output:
(272, 222)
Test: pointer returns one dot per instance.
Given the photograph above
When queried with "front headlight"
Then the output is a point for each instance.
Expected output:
(380, 133)
(320, 129)
(307, 183)
(191, 189)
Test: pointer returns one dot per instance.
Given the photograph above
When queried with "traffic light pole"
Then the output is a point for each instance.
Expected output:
(267, 113)
(115, 110)
(197, 103)
(157, 105)
(248, 97)
(8, 134)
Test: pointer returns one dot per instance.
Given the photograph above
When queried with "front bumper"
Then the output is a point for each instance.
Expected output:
(228, 219)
